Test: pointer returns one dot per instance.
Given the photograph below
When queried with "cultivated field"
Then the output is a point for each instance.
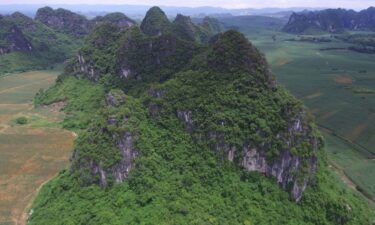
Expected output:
(30, 154)
(331, 83)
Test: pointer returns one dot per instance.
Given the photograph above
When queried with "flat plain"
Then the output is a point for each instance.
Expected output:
(30, 154)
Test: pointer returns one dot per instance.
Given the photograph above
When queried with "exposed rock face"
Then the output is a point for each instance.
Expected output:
(86, 68)
(121, 170)
(291, 171)
(123, 141)
(331, 20)
(64, 20)
(128, 152)
(16, 41)
(24, 23)
(141, 54)
(115, 99)
(186, 117)
(11, 36)
(284, 169)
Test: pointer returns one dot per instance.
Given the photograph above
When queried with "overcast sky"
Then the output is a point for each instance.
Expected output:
(355, 4)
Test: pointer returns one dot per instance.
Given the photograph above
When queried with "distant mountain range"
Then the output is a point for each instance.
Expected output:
(138, 11)
(331, 20)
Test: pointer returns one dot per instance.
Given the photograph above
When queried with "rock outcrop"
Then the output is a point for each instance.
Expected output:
(120, 171)
(12, 38)
(93, 170)
(64, 21)
(155, 22)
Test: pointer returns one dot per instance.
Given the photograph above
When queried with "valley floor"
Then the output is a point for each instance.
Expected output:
(30, 154)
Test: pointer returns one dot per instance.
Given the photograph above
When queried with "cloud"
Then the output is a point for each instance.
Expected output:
(356, 4)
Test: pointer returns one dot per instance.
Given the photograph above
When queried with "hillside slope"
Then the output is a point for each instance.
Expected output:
(175, 131)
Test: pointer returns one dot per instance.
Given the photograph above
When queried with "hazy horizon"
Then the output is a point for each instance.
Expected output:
(234, 4)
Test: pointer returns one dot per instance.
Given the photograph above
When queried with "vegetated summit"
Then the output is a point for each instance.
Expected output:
(179, 124)
(52, 37)
(331, 20)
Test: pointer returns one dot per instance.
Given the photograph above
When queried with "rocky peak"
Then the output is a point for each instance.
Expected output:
(155, 22)
(64, 20)
(12, 38)
(185, 28)
(233, 51)
(118, 19)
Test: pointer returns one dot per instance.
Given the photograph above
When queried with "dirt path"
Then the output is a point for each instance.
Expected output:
(341, 173)
(25, 85)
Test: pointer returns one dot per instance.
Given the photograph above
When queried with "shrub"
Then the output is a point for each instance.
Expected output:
(21, 120)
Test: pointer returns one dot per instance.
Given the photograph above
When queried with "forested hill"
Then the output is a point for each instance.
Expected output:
(180, 124)
(27, 44)
(52, 37)
(331, 20)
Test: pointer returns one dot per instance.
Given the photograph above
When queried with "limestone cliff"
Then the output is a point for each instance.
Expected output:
(64, 21)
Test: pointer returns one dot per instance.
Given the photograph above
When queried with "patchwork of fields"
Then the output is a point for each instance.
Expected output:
(331, 82)
(30, 154)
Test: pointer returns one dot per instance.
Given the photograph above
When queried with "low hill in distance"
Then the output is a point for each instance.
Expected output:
(331, 20)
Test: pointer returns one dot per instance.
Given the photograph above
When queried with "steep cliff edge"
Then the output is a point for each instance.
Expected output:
(212, 139)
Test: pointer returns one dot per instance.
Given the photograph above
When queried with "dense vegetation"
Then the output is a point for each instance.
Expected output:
(331, 20)
(178, 182)
(53, 37)
(180, 114)
(363, 42)
(28, 44)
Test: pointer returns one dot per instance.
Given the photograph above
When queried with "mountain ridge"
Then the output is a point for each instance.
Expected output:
(331, 20)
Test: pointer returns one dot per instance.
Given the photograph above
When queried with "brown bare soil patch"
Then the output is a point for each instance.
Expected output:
(357, 131)
(343, 79)
(314, 110)
(328, 115)
(340, 172)
(56, 106)
(282, 62)
(314, 95)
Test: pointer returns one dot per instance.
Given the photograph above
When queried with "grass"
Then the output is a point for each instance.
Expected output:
(337, 86)
(32, 153)
(354, 165)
